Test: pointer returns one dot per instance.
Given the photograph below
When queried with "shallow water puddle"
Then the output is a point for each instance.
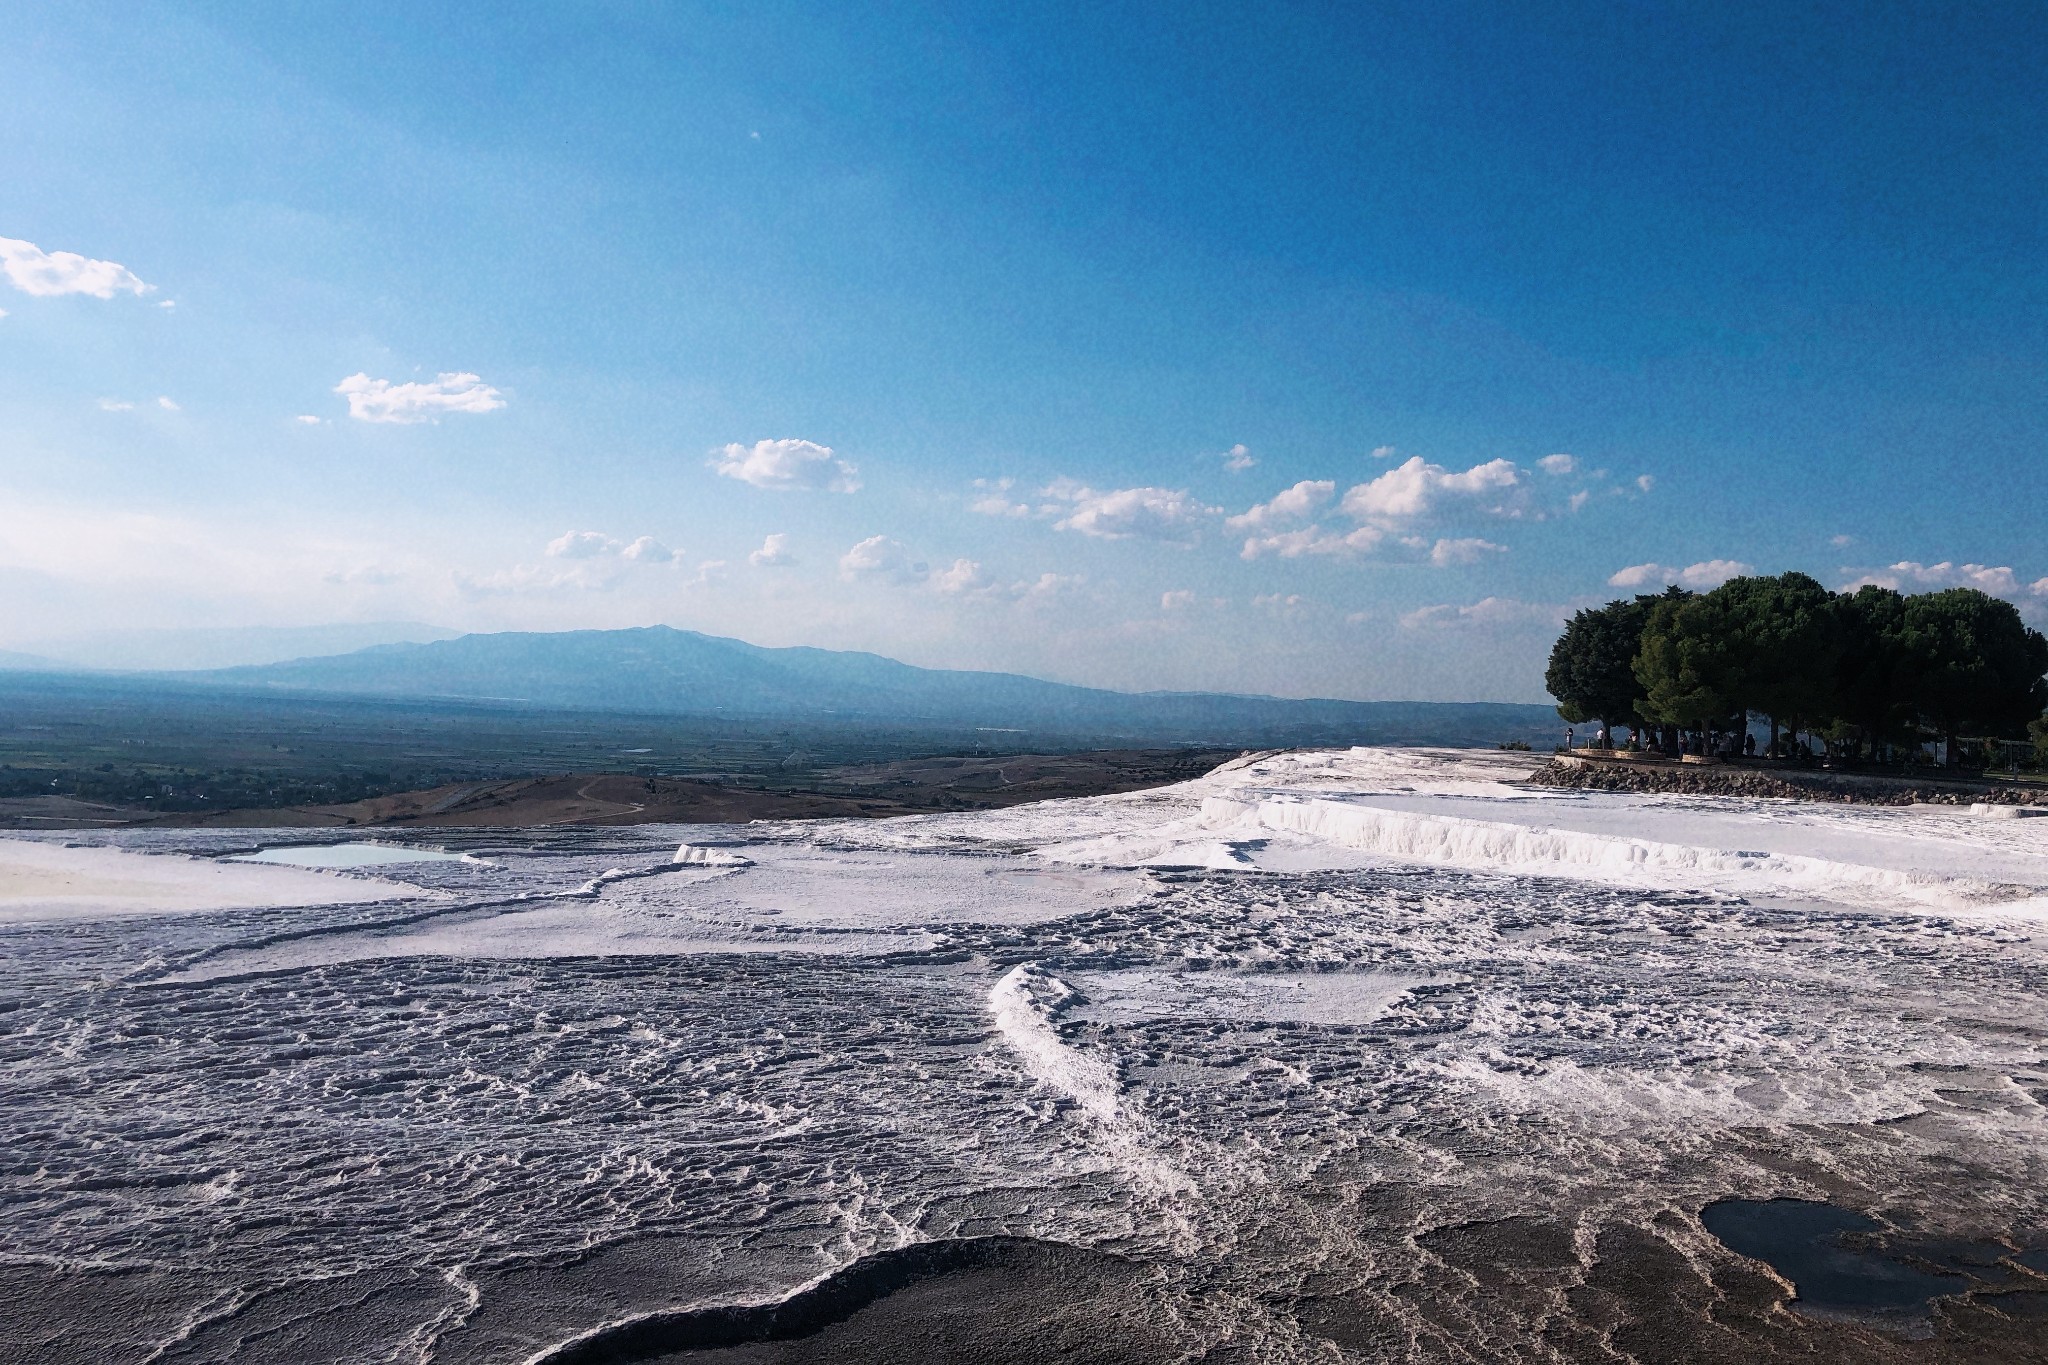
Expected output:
(1842, 1263)
(344, 855)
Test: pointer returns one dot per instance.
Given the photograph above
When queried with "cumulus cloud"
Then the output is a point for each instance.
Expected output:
(879, 557)
(581, 545)
(380, 400)
(1122, 513)
(1645, 482)
(1313, 540)
(1486, 613)
(1415, 488)
(1708, 573)
(1558, 464)
(1237, 459)
(598, 545)
(1293, 504)
(967, 579)
(167, 405)
(1466, 550)
(773, 554)
(1998, 580)
(648, 550)
(48, 273)
(1384, 452)
(962, 577)
(787, 466)
(995, 500)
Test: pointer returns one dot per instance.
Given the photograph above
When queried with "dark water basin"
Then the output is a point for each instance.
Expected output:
(1841, 1262)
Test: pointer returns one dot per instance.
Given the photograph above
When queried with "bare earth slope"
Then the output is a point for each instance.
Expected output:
(872, 790)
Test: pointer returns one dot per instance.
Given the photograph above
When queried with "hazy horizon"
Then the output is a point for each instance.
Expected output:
(1283, 353)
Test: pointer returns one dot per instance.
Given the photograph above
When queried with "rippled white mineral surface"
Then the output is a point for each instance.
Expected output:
(1286, 1035)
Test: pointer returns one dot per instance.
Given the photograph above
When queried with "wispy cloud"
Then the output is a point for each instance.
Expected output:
(1238, 459)
(380, 400)
(49, 273)
(1123, 513)
(1313, 540)
(1558, 464)
(1486, 613)
(787, 466)
(995, 500)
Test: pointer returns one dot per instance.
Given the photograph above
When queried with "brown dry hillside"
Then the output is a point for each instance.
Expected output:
(902, 787)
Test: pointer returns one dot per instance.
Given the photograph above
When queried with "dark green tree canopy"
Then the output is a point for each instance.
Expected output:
(1873, 682)
(1591, 670)
(1974, 664)
(1869, 667)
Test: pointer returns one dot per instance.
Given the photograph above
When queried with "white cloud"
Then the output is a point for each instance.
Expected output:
(1414, 488)
(48, 273)
(1467, 550)
(367, 575)
(1579, 499)
(1646, 482)
(1178, 599)
(1291, 505)
(1313, 540)
(773, 554)
(1708, 573)
(648, 550)
(581, 545)
(995, 499)
(964, 576)
(1286, 606)
(1999, 581)
(380, 400)
(787, 466)
(1558, 464)
(1839, 541)
(306, 419)
(1237, 459)
(116, 405)
(598, 545)
(1046, 585)
(167, 405)
(879, 557)
(1119, 514)
(1486, 613)
(1384, 452)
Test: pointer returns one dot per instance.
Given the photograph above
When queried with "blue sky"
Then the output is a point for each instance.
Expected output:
(1012, 325)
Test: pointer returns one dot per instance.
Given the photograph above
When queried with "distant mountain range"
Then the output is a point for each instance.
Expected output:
(659, 670)
(160, 650)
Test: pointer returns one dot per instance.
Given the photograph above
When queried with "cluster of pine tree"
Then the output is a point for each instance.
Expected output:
(1873, 673)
